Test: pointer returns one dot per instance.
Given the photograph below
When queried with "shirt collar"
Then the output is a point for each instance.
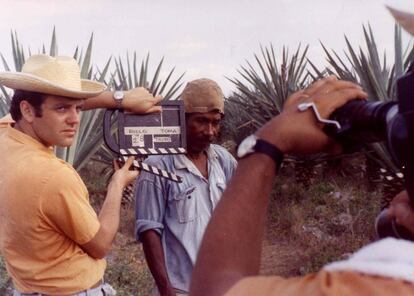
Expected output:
(26, 139)
(181, 161)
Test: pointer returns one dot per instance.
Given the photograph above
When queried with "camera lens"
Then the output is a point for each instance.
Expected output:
(361, 121)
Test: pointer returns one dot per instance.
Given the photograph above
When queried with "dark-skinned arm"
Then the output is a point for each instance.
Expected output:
(231, 247)
(154, 255)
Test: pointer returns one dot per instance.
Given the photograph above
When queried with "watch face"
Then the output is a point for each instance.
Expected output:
(246, 146)
(118, 95)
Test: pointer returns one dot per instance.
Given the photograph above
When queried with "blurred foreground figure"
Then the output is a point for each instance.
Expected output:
(229, 258)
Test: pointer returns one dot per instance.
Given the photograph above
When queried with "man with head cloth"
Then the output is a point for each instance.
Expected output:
(171, 217)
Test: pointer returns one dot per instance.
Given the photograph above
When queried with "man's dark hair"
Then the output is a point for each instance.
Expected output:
(33, 98)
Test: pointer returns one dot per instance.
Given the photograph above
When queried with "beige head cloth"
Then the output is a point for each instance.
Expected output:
(203, 95)
(52, 75)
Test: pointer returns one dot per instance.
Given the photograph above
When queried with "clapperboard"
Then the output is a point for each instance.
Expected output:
(148, 134)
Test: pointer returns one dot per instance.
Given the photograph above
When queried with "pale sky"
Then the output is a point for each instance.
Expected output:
(202, 38)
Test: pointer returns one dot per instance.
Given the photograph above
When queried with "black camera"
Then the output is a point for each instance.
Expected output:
(362, 121)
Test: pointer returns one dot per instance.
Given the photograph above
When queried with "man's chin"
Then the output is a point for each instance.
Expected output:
(65, 144)
(205, 147)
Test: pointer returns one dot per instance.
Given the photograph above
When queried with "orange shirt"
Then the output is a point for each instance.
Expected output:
(323, 283)
(44, 216)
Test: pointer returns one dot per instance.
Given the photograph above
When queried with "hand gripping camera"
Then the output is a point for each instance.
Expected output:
(361, 121)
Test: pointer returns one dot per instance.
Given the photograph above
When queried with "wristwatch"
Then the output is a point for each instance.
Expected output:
(118, 97)
(252, 144)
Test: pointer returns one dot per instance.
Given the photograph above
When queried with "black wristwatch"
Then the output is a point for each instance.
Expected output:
(252, 144)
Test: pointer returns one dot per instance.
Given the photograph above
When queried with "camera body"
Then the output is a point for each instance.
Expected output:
(363, 121)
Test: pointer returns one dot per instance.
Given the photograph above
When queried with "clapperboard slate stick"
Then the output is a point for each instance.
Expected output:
(153, 170)
(151, 151)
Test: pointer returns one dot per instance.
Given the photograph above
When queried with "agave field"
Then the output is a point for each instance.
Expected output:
(322, 207)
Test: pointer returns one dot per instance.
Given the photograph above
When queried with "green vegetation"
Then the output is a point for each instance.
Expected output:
(263, 89)
(374, 74)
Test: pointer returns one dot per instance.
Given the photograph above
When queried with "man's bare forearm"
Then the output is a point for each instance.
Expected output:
(154, 254)
(104, 100)
(231, 247)
(137, 100)
(109, 217)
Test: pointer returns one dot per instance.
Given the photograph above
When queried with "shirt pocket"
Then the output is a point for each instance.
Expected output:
(186, 205)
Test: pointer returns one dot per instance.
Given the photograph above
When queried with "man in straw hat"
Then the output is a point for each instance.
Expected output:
(171, 217)
(50, 237)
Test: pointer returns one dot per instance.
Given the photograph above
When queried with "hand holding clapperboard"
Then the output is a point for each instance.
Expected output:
(149, 134)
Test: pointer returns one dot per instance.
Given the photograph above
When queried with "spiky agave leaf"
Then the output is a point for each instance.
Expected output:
(379, 80)
(53, 45)
(375, 76)
(18, 54)
(263, 88)
(18, 60)
(127, 77)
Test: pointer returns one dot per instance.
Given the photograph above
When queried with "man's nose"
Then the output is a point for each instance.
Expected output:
(210, 129)
(73, 117)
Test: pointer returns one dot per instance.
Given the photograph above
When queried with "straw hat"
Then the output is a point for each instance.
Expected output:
(203, 95)
(52, 75)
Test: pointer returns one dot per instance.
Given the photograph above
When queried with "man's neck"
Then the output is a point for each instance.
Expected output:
(19, 127)
(195, 155)
(25, 128)
(199, 159)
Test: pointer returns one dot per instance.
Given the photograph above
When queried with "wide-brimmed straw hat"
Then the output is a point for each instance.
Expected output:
(203, 95)
(52, 75)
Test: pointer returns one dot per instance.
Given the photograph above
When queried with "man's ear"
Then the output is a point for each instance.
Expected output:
(27, 110)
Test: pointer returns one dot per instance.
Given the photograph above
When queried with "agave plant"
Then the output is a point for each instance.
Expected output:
(127, 76)
(378, 78)
(263, 88)
(261, 92)
(374, 74)
(4, 103)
